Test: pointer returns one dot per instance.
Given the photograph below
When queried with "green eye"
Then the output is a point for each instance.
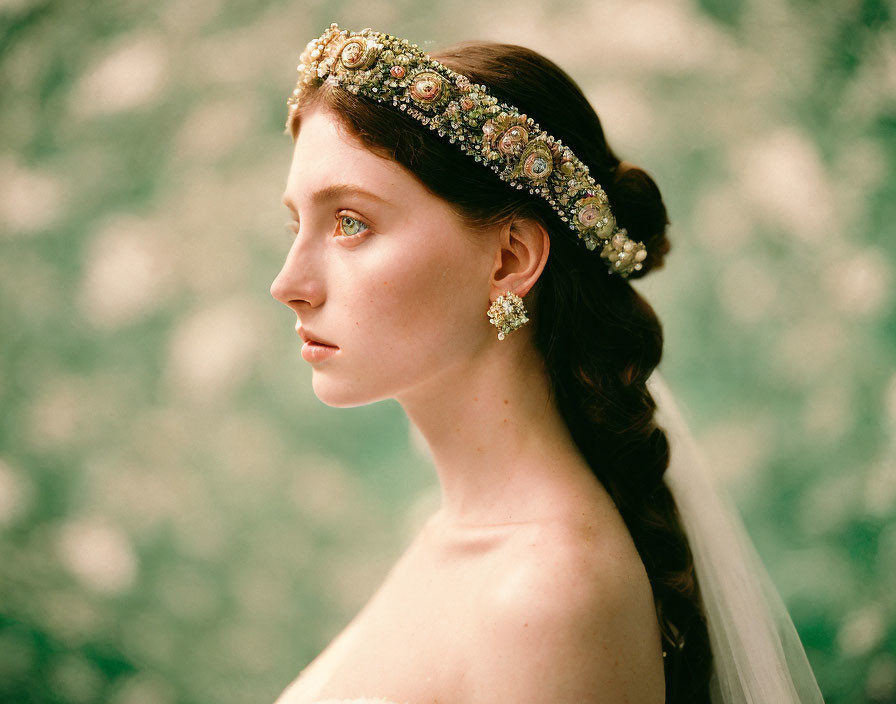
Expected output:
(350, 226)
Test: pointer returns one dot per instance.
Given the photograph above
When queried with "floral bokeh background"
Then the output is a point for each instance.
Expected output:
(182, 521)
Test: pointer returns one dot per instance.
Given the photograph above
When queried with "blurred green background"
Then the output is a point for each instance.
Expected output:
(182, 521)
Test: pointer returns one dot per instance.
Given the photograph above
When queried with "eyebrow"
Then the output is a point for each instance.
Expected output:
(337, 190)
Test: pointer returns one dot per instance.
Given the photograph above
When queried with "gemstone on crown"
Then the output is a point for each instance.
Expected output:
(536, 162)
(426, 88)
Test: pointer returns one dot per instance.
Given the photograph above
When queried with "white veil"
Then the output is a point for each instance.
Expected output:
(757, 653)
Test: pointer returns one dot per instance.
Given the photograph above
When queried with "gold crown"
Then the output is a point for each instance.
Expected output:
(391, 71)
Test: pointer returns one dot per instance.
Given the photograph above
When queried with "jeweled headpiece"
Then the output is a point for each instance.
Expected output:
(393, 72)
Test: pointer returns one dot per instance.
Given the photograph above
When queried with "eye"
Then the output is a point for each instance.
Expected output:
(350, 226)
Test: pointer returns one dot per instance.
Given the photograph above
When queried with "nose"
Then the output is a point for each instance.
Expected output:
(296, 284)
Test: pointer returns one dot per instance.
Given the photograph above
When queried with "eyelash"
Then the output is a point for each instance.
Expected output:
(293, 226)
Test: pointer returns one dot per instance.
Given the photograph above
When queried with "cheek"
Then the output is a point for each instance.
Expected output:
(429, 297)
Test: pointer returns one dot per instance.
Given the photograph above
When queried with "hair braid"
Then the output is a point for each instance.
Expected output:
(600, 347)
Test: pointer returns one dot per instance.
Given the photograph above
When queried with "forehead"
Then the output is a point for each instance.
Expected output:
(326, 152)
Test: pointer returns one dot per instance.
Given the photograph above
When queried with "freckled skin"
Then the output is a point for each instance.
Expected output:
(337, 287)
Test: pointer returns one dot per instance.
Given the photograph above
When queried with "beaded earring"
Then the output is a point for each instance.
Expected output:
(507, 313)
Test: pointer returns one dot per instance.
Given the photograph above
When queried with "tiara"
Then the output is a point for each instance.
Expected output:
(394, 72)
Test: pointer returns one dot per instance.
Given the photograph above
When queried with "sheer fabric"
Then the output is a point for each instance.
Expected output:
(758, 656)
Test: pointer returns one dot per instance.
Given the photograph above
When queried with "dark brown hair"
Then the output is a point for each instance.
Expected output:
(600, 339)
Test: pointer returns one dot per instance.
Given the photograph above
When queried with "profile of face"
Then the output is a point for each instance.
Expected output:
(380, 268)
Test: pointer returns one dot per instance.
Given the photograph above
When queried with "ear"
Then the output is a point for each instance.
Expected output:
(523, 247)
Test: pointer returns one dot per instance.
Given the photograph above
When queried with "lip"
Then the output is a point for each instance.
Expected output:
(315, 349)
(316, 352)
(308, 337)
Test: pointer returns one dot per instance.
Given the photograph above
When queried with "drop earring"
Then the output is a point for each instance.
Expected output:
(507, 313)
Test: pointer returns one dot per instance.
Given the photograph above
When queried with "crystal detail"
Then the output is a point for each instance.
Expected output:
(507, 313)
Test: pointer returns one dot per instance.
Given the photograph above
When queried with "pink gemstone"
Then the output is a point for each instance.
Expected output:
(397, 71)
(588, 215)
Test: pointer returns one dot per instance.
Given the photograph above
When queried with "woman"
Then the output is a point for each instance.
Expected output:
(428, 208)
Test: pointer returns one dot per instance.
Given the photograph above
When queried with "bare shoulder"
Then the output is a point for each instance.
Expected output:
(570, 619)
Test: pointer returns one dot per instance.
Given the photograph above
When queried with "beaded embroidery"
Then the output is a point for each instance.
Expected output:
(393, 72)
(507, 313)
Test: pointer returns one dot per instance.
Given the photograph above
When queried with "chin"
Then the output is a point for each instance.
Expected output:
(342, 394)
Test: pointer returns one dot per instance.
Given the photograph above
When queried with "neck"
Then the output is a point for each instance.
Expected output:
(501, 449)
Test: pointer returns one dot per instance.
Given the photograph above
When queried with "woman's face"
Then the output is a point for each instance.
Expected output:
(379, 268)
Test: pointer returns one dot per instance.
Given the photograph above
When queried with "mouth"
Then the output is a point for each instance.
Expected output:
(309, 340)
(315, 343)
(314, 351)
